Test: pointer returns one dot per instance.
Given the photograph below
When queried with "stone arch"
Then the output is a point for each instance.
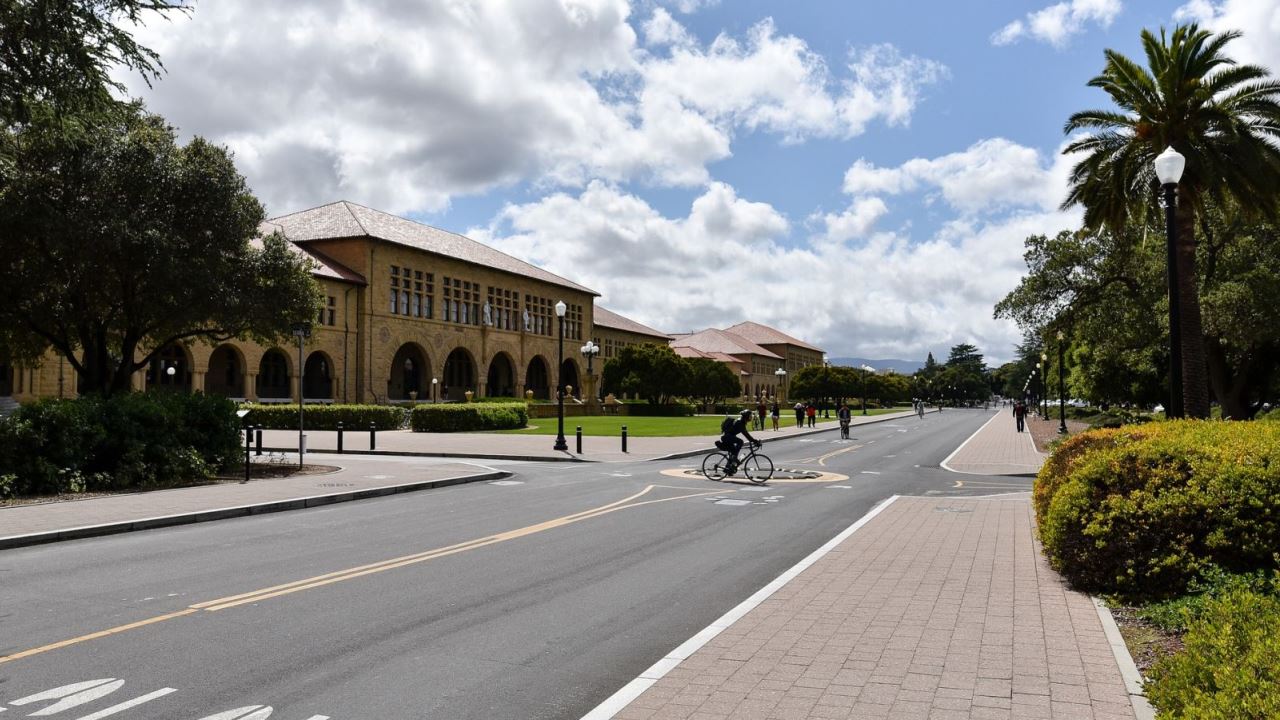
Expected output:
(172, 357)
(501, 380)
(226, 372)
(274, 373)
(538, 378)
(408, 373)
(317, 376)
(569, 376)
(459, 375)
(6, 377)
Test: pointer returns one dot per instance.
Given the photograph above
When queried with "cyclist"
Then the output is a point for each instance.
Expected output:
(731, 443)
(845, 418)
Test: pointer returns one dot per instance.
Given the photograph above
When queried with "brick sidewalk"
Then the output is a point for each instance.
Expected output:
(997, 449)
(936, 608)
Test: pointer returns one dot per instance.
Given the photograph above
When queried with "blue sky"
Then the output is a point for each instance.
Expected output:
(858, 174)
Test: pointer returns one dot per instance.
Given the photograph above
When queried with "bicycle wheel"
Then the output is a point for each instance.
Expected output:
(714, 465)
(758, 468)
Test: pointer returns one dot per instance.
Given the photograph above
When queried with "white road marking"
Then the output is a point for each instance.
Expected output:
(507, 482)
(248, 712)
(72, 695)
(318, 717)
(841, 487)
(731, 501)
(870, 472)
(130, 703)
(379, 477)
(620, 474)
(888, 456)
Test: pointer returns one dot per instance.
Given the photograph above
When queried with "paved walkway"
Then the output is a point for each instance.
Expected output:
(47, 522)
(997, 449)
(532, 447)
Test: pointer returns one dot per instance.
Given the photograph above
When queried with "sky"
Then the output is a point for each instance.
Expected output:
(859, 174)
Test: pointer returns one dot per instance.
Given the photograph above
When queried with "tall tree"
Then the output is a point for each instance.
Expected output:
(710, 381)
(1223, 117)
(56, 57)
(122, 242)
(654, 372)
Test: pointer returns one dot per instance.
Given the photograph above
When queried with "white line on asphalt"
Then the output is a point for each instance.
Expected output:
(966, 442)
(632, 690)
(72, 695)
(129, 703)
(870, 472)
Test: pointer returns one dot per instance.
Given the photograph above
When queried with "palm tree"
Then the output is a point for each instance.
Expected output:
(1223, 117)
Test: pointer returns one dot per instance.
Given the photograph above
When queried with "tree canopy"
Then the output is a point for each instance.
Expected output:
(123, 241)
(710, 380)
(654, 372)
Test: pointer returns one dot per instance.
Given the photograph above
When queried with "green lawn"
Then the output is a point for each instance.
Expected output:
(611, 425)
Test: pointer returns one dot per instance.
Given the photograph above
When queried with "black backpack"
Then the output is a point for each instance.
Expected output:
(726, 425)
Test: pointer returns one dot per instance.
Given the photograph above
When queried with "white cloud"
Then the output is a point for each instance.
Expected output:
(1056, 24)
(690, 6)
(726, 261)
(990, 176)
(1259, 20)
(410, 105)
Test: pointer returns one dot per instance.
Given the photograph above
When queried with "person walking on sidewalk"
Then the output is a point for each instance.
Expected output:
(799, 414)
(760, 412)
(776, 414)
(812, 412)
(1020, 414)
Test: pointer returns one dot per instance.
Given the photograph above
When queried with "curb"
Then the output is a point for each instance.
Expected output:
(1128, 668)
(414, 453)
(806, 433)
(88, 531)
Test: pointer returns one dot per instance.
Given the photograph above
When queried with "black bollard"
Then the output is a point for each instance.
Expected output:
(579, 439)
(624, 438)
(339, 437)
(258, 438)
(248, 433)
(373, 436)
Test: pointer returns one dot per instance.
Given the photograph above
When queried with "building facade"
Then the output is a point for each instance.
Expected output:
(613, 332)
(409, 312)
(756, 352)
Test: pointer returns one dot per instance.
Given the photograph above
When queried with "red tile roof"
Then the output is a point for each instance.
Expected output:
(712, 340)
(608, 319)
(765, 335)
(346, 219)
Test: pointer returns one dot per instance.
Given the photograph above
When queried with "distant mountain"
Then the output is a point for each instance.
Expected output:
(902, 367)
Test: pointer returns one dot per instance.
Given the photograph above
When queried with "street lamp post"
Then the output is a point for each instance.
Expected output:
(866, 369)
(1169, 166)
(1062, 393)
(591, 350)
(561, 444)
(301, 331)
(1044, 386)
(782, 383)
(435, 382)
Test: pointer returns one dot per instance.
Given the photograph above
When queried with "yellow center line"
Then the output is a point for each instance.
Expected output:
(361, 571)
(823, 460)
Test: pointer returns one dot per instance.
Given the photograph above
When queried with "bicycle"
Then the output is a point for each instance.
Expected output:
(844, 429)
(756, 467)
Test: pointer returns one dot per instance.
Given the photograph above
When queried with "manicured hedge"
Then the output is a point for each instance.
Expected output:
(1142, 511)
(469, 417)
(1229, 667)
(327, 417)
(133, 440)
(669, 410)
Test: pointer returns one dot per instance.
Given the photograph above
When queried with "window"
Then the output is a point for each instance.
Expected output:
(540, 314)
(328, 313)
(411, 292)
(461, 301)
(573, 322)
(504, 308)
(395, 291)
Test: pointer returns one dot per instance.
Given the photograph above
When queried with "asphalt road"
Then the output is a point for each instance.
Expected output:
(535, 597)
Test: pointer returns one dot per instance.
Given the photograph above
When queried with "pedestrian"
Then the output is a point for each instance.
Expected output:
(760, 412)
(845, 418)
(799, 414)
(1020, 415)
(812, 412)
(776, 414)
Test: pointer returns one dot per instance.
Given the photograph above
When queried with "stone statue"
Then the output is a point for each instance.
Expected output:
(488, 314)
(528, 324)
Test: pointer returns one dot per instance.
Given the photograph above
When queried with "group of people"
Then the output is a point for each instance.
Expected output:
(805, 412)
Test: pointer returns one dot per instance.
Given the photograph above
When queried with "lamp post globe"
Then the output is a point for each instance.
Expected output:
(1169, 166)
(866, 369)
(561, 444)
(782, 383)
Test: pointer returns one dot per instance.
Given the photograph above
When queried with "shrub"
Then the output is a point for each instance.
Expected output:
(327, 417)
(1176, 614)
(1143, 511)
(668, 410)
(469, 417)
(1229, 668)
(134, 440)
